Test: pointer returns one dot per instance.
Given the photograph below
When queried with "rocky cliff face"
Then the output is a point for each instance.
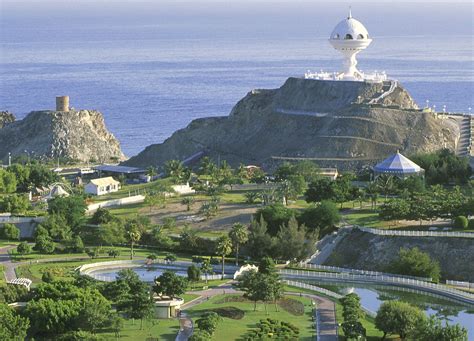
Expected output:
(334, 123)
(361, 250)
(6, 118)
(79, 135)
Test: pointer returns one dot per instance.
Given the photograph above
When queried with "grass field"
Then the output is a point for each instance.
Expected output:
(235, 329)
(154, 328)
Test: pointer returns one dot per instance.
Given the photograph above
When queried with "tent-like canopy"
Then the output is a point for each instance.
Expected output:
(397, 165)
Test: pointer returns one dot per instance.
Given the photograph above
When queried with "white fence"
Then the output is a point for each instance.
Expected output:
(460, 284)
(415, 233)
(359, 272)
(345, 277)
(116, 202)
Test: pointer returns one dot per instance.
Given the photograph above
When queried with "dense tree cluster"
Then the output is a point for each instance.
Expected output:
(438, 202)
(443, 167)
(263, 285)
(414, 262)
(352, 313)
(408, 321)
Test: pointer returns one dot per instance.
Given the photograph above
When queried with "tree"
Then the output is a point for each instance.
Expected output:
(72, 208)
(102, 216)
(174, 169)
(23, 248)
(275, 216)
(414, 262)
(10, 232)
(188, 202)
(397, 317)
(251, 197)
(238, 235)
(208, 322)
(188, 239)
(320, 189)
(294, 243)
(170, 284)
(12, 326)
(76, 245)
(432, 329)
(260, 242)
(151, 171)
(152, 200)
(194, 274)
(133, 235)
(170, 257)
(461, 222)
(248, 283)
(138, 303)
(206, 166)
(113, 253)
(57, 227)
(44, 244)
(323, 217)
(14, 203)
(223, 248)
(200, 335)
(111, 233)
(8, 181)
(395, 209)
(206, 267)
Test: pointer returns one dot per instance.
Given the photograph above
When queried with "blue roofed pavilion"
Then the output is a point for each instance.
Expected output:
(397, 165)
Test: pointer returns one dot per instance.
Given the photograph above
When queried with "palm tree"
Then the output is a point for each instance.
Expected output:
(151, 171)
(188, 202)
(238, 235)
(206, 267)
(174, 169)
(134, 236)
(386, 184)
(223, 248)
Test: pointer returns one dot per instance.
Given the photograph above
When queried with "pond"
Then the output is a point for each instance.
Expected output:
(146, 273)
(373, 296)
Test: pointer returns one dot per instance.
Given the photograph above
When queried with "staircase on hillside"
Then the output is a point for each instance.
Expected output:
(387, 88)
(466, 138)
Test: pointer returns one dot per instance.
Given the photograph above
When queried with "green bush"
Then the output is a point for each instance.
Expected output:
(470, 225)
(461, 222)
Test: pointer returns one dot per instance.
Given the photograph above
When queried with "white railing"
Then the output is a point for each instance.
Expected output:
(460, 284)
(415, 233)
(116, 202)
(322, 75)
(359, 271)
(345, 277)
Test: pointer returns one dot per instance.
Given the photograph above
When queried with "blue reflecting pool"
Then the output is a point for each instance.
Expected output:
(146, 273)
(373, 296)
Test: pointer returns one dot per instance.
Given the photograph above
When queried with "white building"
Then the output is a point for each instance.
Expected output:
(349, 37)
(102, 186)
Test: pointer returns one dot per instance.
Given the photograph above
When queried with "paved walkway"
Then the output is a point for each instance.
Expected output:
(5, 260)
(325, 313)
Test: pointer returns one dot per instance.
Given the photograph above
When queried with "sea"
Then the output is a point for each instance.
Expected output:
(153, 67)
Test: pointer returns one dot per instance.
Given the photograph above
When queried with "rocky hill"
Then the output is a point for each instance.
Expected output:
(6, 118)
(361, 250)
(334, 123)
(79, 135)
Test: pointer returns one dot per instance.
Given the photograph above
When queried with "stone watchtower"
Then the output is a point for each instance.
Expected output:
(62, 103)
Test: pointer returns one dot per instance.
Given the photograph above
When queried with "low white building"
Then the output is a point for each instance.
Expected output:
(102, 186)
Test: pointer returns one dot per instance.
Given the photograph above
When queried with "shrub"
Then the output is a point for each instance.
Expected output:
(23, 248)
(470, 225)
(461, 222)
(47, 277)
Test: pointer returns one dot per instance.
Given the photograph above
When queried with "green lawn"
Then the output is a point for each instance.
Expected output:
(4, 243)
(155, 328)
(234, 329)
(139, 252)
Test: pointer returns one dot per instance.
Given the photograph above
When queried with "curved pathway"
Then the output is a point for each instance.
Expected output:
(8, 265)
(325, 312)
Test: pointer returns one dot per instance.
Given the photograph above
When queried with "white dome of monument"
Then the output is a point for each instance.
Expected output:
(350, 28)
